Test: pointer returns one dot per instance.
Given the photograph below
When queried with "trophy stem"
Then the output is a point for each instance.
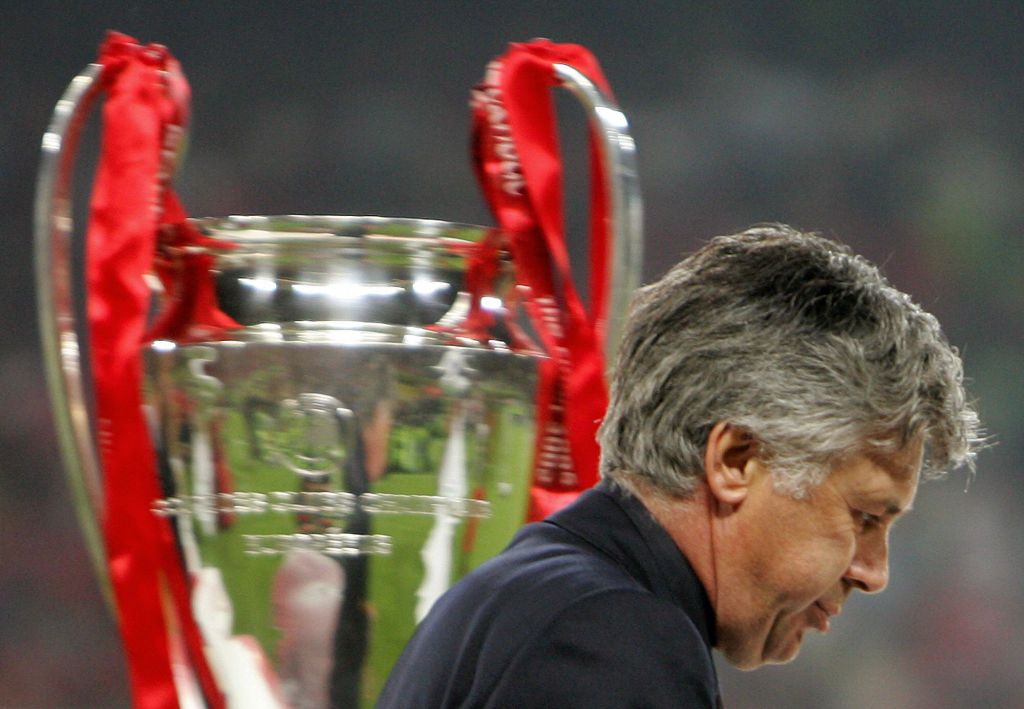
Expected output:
(53, 226)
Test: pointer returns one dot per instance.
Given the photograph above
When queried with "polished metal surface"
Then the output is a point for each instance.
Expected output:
(338, 460)
(56, 311)
(618, 155)
(298, 276)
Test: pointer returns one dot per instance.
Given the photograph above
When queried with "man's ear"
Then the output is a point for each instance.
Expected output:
(730, 463)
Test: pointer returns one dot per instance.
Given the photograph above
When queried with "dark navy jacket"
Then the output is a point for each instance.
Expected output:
(594, 607)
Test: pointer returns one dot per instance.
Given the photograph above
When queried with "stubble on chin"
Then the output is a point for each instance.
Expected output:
(747, 648)
(784, 643)
(739, 648)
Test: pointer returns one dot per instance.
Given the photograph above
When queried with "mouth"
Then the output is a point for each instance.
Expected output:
(822, 615)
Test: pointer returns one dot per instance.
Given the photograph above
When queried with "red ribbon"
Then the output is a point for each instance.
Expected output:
(519, 167)
(143, 121)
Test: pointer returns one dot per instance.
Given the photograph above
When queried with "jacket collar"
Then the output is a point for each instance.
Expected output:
(619, 525)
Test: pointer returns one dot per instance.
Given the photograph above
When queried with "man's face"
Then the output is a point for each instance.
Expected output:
(798, 560)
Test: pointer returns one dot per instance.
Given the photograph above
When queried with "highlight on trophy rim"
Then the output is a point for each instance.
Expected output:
(332, 418)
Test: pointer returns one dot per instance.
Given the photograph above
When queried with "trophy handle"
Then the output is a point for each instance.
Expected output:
(62, 356)
(618, 157)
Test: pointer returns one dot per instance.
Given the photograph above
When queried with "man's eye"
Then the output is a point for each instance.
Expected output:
(869, 520)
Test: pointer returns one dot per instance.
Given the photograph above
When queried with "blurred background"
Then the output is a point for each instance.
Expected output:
(895, 127)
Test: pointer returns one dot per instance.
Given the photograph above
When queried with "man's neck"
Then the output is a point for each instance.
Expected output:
(689, 522)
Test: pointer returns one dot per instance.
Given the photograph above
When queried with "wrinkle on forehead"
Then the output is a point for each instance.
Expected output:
(902, 465)
(901, 472)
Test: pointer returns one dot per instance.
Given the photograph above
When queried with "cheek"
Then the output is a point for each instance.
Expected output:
(814, 567)
(799, 553)
(833, 557)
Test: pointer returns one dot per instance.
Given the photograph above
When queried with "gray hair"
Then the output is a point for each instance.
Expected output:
(793, 338)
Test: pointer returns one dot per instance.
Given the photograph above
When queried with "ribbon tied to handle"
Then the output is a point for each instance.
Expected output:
(519, 167)
(131, 210)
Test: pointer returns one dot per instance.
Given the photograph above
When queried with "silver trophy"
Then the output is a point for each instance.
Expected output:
(345, 456)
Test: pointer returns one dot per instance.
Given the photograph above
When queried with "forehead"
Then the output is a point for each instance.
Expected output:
(890, 478)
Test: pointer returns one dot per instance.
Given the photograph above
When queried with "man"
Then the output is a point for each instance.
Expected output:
(773, 406)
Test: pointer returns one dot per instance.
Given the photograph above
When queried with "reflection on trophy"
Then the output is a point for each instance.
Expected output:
(334, 436)
(356, 441)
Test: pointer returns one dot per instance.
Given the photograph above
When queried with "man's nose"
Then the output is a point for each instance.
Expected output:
(869, 570)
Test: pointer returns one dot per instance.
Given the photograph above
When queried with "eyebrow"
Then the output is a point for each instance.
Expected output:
(895, 469)
(893, 509)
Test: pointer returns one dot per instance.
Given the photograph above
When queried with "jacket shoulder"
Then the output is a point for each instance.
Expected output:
(611, 648)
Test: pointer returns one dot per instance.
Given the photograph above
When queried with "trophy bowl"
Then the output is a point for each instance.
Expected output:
(337, 461)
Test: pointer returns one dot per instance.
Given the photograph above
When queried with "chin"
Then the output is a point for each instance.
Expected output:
(748, 664)
(745, 658)
(752, 653)
(784, 654)
(783, 658)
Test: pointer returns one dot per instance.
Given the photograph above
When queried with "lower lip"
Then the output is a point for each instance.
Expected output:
(821, 618)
